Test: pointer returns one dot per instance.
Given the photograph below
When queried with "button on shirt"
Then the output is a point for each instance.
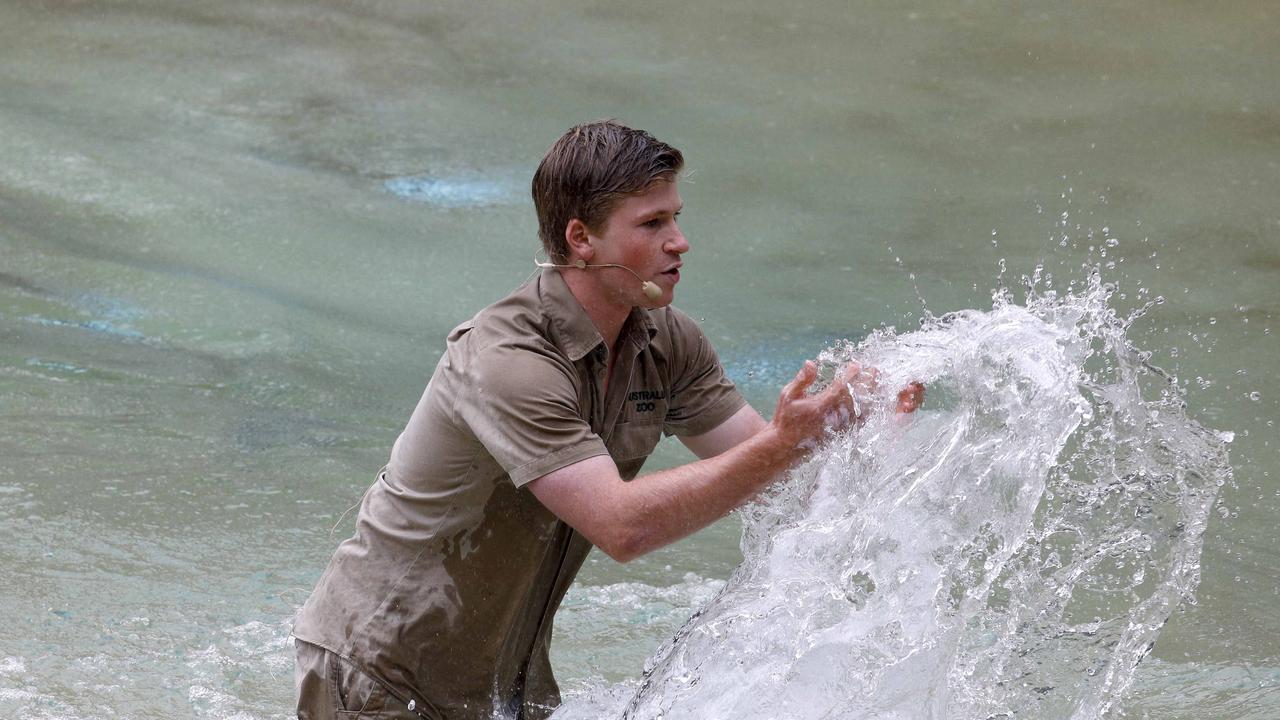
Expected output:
(447, 590)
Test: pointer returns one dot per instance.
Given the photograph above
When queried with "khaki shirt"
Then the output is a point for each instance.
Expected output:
(446, 592)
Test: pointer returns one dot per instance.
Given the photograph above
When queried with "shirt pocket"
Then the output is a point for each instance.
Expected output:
(634, 439)
(641, 408)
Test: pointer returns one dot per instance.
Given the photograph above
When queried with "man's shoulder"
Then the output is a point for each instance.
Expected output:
(516, 319)
(508, 343)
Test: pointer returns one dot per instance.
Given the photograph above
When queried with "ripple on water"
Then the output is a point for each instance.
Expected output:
(1191, 691)
(242, 672)
(617, 625)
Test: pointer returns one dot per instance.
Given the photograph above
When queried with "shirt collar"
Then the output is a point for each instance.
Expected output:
(571, 327)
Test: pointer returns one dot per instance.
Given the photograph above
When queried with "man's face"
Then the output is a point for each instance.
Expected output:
(641, 233)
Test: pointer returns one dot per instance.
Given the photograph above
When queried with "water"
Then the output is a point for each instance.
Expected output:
(1012, 552)
(233, 236)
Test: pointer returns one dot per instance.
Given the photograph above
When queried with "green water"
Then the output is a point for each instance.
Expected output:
(215, 317)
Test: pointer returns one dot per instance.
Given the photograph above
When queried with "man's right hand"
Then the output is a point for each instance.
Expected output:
(800, 420)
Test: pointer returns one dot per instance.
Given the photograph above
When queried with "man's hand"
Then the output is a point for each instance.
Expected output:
(910, 398)
(800, 420)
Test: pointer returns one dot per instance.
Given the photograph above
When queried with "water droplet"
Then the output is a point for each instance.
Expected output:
(1255, 396)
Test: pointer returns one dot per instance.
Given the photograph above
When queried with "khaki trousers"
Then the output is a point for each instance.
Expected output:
(330, 688)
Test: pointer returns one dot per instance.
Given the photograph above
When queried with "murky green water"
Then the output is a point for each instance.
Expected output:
(216, 312)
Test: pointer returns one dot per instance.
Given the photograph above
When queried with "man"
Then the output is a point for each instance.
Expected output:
(523, 453)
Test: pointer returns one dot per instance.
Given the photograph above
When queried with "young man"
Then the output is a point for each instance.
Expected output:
(523, 453)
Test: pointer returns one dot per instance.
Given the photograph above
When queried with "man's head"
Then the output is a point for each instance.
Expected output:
(588, 171)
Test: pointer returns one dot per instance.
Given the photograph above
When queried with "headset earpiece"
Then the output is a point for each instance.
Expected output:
(649, 288)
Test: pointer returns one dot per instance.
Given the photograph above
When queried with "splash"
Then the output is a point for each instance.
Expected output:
(1012, 551)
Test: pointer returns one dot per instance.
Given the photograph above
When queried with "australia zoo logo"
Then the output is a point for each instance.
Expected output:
(646, 400)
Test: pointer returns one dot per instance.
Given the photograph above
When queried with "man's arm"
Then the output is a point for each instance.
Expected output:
(732, 432)
(629, 519)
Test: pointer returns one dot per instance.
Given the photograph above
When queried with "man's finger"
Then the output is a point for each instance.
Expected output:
(855, 379)
(795, 389)
(852, 371)
(872, 376)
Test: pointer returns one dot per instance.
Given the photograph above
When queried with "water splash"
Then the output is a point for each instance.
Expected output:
(1013, 551)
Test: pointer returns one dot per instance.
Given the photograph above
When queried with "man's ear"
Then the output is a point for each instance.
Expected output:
(579, 240)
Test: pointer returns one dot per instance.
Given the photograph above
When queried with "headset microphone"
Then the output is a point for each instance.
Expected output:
(650, 289)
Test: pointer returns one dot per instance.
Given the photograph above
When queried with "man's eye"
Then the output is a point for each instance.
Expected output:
(653, 223)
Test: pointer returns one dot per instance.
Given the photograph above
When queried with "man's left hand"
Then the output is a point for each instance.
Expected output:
(910, 398)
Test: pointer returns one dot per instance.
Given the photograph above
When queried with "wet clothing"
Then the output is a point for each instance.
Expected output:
(447, 591)
(331, 688)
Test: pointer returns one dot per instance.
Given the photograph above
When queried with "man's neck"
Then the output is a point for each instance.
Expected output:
(608, 317)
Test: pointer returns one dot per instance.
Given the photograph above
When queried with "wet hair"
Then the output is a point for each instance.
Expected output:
(589, 170)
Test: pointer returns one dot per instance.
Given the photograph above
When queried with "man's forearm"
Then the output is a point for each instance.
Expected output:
(659, 508)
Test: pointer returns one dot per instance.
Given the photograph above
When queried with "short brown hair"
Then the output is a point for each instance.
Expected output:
(588, 170)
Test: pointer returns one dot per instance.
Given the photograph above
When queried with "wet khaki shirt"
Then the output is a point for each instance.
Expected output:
(447, 590)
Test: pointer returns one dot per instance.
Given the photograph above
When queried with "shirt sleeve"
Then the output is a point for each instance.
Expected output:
(522, 405)
(702, 396)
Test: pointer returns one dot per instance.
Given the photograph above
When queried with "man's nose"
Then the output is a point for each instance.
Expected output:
(677, 243)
